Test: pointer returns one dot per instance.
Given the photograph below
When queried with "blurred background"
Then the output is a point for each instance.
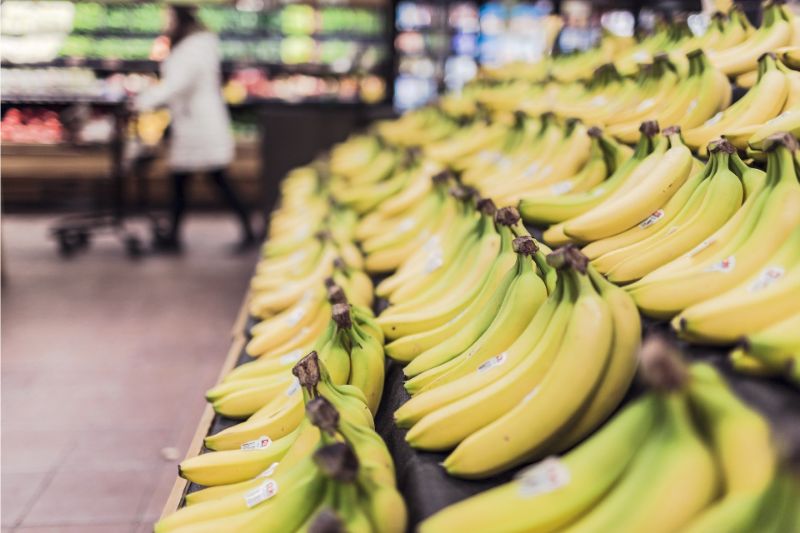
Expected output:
(108, 346)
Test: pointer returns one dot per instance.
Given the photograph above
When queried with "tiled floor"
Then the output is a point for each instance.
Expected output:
(104, 362)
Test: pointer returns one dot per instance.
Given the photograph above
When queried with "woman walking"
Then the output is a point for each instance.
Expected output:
(202, 141)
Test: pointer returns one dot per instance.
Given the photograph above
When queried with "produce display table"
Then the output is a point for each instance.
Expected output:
(425, 485)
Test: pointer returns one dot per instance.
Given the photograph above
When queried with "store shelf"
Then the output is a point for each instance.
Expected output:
(59, 100)
(255, 35)
(147, 66)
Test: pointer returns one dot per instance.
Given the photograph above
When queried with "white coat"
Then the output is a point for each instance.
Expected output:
(190, 87)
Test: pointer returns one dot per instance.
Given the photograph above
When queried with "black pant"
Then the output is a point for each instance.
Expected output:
(220, 179)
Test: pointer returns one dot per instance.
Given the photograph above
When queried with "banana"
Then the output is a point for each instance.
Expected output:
(626, 210)
(409, 226)
(259, 346)
(234, 466)
(774, 33)
(773, 292)
(743, 446)
(621, 369)
(367, 366)
(516, 144)
(777, 347)
(354, 155)
(671, 480)
(555, 492)
(276, 419)
(240, 399)
(420, 184)
(520, 433)
(467, 141)
(778, 511)
(788, 121)
(230, 512)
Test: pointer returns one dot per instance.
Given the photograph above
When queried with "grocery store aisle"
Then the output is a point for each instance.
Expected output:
(104, 366)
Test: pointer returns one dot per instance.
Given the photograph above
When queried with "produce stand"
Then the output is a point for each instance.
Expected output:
(425, 485)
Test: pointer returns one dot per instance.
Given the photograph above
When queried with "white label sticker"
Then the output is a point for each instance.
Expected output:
(725, 265)
(433, 263)
(293, 388)
(546, 171)
(543, 477)
(713, 120)
(504, 163)
(261, 443)
(291, 357)
(263, 492)
(767, 277)
(531, 170)
(700, 247)
(296, 316)
(646, 104)
(406, 224)
(652, 219)
(489, 156)
(497, 360)
(562, 187)
(598, 100)
(432, 244)
(269, 471)
(300, 334)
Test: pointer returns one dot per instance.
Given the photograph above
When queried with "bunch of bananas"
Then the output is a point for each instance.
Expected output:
(649, 183)
(332, 471)
(734, 254)
(778, 29)
(650, 468)
(352, 350)
(351, 345)
(401, 226)
(557, 209)
(309, 240)
(557, 158)
(539, 374)
(700, 206)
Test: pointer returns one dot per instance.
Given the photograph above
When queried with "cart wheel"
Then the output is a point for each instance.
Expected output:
(82, 239)
(134, 247)
(65, 246)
